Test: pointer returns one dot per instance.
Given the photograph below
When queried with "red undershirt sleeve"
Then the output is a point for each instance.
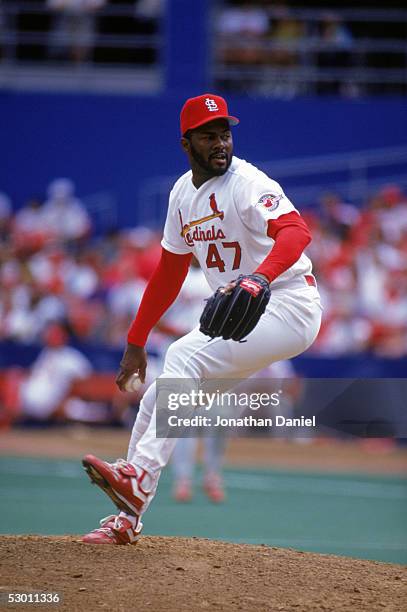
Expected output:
(161, 291)
(291, 235)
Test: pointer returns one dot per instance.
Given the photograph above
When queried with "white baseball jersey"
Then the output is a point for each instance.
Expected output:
(224, 223)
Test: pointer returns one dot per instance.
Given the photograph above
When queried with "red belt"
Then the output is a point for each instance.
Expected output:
(310, 280)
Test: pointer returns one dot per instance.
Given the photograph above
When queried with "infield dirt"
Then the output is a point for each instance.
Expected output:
(188, 574)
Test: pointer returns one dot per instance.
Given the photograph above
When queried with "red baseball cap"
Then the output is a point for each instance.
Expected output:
(202, 109)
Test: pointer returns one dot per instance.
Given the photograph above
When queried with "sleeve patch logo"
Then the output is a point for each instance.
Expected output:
(270, 201)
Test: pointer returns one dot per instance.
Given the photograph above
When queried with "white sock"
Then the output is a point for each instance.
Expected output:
(134, 520)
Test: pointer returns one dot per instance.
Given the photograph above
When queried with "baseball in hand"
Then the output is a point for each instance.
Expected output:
(133, 384)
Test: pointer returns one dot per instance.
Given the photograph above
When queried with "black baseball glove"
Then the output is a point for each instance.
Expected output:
(235, 314)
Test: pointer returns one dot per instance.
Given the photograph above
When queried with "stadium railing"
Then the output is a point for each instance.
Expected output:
(370, 59)
(355, 175)
(120, 57)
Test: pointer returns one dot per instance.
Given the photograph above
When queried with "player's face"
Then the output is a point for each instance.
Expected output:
(210, 148)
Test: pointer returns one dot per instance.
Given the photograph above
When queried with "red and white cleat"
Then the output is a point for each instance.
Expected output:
(127, 486)
(182, 492)
(213, 488)
(114, 530)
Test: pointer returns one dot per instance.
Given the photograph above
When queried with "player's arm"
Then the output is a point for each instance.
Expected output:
(160, 293)
(291, 236)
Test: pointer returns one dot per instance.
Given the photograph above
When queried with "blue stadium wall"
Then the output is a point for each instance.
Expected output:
(113, 143)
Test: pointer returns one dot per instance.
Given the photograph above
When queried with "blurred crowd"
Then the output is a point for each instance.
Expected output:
(53, 267)
(273, 47)
(360, 260)
(72, 30)
(76, 25)
(281, 48)
(271, 35)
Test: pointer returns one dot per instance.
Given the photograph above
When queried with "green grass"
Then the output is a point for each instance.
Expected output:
(353, 515)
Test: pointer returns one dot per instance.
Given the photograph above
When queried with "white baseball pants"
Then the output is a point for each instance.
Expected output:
(288, 327)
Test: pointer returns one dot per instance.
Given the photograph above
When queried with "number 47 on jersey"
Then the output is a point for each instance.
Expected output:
(214, 259)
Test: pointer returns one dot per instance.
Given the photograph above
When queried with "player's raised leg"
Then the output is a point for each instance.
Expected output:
(132, 484)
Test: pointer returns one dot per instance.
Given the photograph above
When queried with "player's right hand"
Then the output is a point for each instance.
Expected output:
(134, 361)
(228, 288)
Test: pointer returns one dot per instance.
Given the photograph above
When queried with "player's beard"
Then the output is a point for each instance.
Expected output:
(205, 164)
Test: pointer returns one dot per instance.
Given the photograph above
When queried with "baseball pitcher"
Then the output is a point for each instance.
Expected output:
(249, 240)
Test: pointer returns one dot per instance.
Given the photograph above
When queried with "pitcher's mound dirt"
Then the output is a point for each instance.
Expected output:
(187, 574)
